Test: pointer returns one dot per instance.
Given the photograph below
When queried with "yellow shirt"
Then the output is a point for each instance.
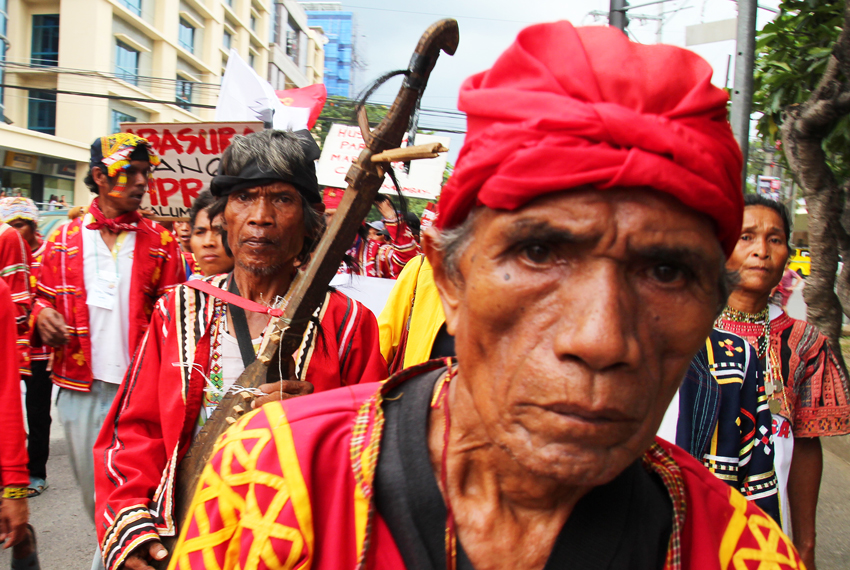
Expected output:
(427, 317)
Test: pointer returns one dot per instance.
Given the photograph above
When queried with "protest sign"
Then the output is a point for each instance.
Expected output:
(344, 144)
(190, 154)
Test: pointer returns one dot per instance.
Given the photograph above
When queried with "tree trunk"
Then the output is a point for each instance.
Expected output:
(804, 129)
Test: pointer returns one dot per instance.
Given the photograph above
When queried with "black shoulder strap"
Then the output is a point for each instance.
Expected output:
(240, 326)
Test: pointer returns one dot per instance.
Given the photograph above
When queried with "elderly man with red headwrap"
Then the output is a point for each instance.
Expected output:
(579, 255)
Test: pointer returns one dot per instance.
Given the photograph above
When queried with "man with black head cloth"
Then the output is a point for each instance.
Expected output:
(206, 332)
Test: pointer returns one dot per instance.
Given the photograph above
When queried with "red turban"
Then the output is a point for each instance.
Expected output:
(566, 107)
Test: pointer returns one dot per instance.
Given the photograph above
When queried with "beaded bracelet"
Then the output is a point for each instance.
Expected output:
(14, 492)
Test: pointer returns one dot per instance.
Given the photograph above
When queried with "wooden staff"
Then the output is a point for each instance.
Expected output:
(309, 288)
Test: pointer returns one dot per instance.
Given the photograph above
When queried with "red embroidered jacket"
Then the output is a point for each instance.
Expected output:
(157, 266)
(15, 260)
(13, 438)
(302, 497)
(386, 260)
(153, 418)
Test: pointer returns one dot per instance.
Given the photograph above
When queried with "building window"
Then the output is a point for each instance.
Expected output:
(186, 37)
(45, 40)
(251, 59)
(227, 40)
(42, 111)
(127, 63)
(135, 6)
(184, 94)
(253, 22)
(118, 117)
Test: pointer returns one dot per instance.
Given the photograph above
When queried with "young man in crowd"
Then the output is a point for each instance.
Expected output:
(99, 279)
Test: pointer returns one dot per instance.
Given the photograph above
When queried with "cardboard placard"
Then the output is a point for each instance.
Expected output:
(344, 144)
(190, 154)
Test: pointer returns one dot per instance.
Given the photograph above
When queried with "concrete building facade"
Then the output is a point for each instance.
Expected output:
(296, 50)
(75, 69)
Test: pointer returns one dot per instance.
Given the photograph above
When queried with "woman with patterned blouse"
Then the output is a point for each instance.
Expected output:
(805, 383)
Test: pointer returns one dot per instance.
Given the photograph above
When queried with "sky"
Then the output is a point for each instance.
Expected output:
(387, 33)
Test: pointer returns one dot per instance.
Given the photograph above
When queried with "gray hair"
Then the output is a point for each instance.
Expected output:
(454, 241)
(272, 150)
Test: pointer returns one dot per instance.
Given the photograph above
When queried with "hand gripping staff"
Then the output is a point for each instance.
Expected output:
(310, 286)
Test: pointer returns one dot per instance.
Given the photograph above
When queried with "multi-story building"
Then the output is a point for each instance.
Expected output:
(338, 27)
(76, 69)
(297, 52)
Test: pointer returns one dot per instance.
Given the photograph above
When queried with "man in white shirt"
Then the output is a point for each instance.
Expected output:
(100, 277)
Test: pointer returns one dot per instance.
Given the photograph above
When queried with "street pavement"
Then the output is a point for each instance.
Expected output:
(66, 537)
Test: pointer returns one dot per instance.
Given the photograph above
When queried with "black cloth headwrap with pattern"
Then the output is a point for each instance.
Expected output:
(303, 175)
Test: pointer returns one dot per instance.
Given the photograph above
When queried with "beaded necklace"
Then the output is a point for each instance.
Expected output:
(774, 387)
(762, 317)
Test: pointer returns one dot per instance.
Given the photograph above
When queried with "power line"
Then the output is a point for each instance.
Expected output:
(12, 66)
(101, 95)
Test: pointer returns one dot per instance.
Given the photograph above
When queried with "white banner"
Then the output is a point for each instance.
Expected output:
(190, 154)
(343, 146)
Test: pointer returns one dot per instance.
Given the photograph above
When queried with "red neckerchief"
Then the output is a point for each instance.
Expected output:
(123, 223)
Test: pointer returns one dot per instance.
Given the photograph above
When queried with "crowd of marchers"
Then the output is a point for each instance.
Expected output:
(587, 365)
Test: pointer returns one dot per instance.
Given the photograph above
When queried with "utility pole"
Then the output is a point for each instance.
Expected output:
(742, 91)
(617, 15)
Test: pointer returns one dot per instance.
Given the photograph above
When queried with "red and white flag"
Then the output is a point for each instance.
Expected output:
(245, 96)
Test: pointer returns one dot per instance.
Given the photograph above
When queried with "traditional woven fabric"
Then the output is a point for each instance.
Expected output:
(13, 437)
(157, 266)
(128, 222)
(376, 259)
(158, 406)
(15, 261)
(724, 420)
(18, 208)
(567, 107)
(290, 486)
(815, 398)
(37, 352)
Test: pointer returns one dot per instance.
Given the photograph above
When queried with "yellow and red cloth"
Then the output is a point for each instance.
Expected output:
(291, 486)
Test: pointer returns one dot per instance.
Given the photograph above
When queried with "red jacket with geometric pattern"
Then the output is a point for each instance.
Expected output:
(157, 266)
(290, 486)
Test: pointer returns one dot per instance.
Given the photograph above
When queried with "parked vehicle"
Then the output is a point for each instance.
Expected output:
(801, 262)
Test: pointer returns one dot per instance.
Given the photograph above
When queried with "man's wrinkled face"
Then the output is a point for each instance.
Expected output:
(761, 252)
(265, 227)
(575, 319)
